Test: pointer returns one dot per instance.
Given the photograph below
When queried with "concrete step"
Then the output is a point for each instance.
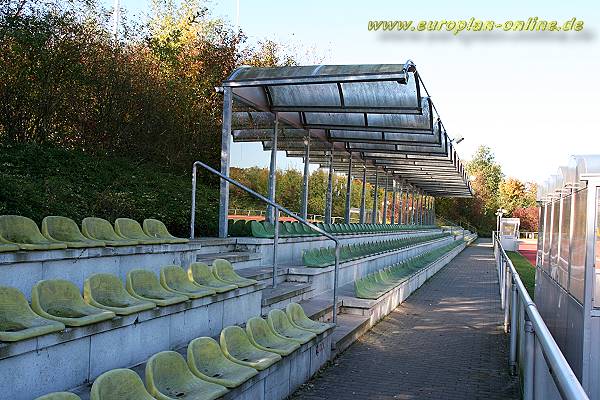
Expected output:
(232, 256)
(320, 307)
(263, 274)
(349, 328)
(284, 291)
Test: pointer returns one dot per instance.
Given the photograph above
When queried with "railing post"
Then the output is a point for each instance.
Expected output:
(512, 357)
(275, 245)
(193, 217)
(335, 281)
(529, 361)
(506, 298)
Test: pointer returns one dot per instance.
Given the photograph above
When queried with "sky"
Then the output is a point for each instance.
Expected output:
(531, 97)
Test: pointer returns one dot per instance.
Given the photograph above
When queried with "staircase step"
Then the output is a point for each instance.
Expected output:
(233, 257)
(320, 307)
(284, 291)
(349, 328)
(262, 273)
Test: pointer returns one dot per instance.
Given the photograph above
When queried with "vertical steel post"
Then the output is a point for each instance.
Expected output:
(329, 196)
(193, 216)
(420, 208)
(271, 213)
(275, 245)
(514, 313)
(363, 198)
(225, 143)
(393, 216)
(529, 361)
(413, 207)
(304, 211)
(374, 213)
(348, 190)
(385, 200)
(401, 205)
(433, 211)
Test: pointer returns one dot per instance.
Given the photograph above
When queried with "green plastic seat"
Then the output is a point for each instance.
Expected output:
(144, 285)
(168, 377)
(175, 279)
(207, 361)
(156, 229)
(299, 319)
(61, 301)
(24, 233)
(201, 273)
(281, 325)
(132, 230)
(261, 336)
(223, 271)
(101, 229)
(65, 230)
(106, 291)
(6, 247)
(59, 396)
(119, 384)
(258, 230)
(17, 319)
(237, 347)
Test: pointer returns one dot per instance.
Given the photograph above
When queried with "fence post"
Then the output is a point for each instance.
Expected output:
(512, 360)
(275, 245)
(529, 361)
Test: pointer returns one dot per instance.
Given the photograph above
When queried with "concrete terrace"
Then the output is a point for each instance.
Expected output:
(444, 342)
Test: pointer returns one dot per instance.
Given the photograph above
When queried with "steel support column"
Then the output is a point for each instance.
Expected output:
(374, 213)
(363, 197)
(348, 190)
(420, 219)
(271, 212)
(412, 206)
(304, 211)
(393, 216)
(329, 196)
(225, 153)
(401, 205)
(385, 200)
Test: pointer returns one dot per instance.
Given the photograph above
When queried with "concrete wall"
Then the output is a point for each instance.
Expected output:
(76, 356)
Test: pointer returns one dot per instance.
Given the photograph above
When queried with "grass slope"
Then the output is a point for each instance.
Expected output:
(36, 181)
(525, 269)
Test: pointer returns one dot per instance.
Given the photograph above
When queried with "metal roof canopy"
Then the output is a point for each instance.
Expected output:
(370, 113)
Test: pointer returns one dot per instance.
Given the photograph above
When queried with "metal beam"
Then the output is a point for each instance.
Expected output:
(304, 211)
(225, 153)
(348, 190)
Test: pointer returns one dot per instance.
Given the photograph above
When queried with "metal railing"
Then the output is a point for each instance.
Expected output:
(530, 341)
(278, 208)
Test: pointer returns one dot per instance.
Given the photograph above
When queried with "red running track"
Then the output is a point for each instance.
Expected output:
(528, 250)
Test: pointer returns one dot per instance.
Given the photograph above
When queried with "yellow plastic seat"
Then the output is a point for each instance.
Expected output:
(175, 279)
(17, 319)
(207, 361)
(280, 324)
(106, 291)
(237, 347)
(132, 230)
(65, 230)
(200, 273)
(59, 396)
(144, 285)
(156, 229)
(61, 301)
(299, 319)
(261, 336)
(24, 233)
(223, 271)
(119, 384)
(168, 377)
(100, 229)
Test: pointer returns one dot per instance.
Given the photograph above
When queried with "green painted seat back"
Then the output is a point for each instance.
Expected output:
(108, 290)
(236, 344)
(201, 273)
(167, 373)
(60, 298)
(258, 230)
(100, 229)
(207, 361)
(18, 229)
(130, 229)
(16, 314)
(280, 323)
(224, 270)
(297, 316)
(157, 229)
(62, 229)
(176, 278)
(261, 335)
(61, 396)
(119, 384)
(146, 284)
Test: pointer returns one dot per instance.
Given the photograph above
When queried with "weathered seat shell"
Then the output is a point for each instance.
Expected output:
(100, 229)
(201, 273)
(156, 229)
(280, 324)
(65, 230)
(59, 396)
(223, 270)
(237, 347)
(299, 319)
(175, 279)
(207, 361)
(144, 285)
(132, 230)
(106, 291)
(119, 384)
(261, 336)
(24, 233)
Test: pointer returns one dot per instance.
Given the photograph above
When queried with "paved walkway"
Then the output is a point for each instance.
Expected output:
(444, 342)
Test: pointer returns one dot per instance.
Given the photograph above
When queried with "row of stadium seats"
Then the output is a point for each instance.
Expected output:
(262, 229)
(212, 368)
(59, 303)
(378, 283)
(22, 233)
(325, 256)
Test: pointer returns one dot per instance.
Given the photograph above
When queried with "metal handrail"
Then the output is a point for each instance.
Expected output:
(277, 208)
(533, 329)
